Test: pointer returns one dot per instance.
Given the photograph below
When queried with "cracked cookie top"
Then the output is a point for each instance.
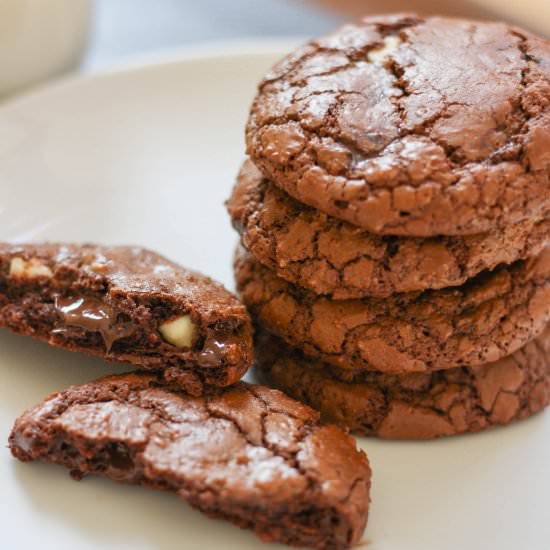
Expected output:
(248, 454)
(491, 316)
(332, 257)
(406, 125)
(414, 405)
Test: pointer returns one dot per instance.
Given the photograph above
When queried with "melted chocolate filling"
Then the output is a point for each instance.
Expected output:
(94, 315)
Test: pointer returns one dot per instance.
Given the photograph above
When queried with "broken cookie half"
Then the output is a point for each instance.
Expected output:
(246, 454)
(128, 305)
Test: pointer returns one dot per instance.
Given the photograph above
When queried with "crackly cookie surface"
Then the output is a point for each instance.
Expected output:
(414, 405)
(129, 305)
(329, 256)
(247, 454)
(489, 317)
(409, 125)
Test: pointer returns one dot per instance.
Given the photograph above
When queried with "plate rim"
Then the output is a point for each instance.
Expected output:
(164, 58)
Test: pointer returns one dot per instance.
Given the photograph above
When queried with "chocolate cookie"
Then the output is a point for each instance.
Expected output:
(248, 454)
(416, 405)
(409, 125)
(129, 305)
(328, 256)
(489, 317)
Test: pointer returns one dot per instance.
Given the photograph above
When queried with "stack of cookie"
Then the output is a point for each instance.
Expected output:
(394, 218)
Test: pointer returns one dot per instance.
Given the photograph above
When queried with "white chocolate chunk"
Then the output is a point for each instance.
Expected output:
(31, 269)
(98, 267)
(17, 267)
(178, 332)
(391, 44)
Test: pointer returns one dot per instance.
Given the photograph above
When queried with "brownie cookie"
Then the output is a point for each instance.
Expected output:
(489, 317)
(247, 454)
(328, 256)
(415, 405)
(409, 125)
(129, 305)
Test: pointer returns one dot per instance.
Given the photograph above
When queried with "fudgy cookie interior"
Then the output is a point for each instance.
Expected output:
(83, 305)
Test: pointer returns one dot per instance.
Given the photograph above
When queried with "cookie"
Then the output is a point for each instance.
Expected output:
(489, 317)
(412, 126)
(246, 454)
(331, 257)
(128, 305)
(415, 405)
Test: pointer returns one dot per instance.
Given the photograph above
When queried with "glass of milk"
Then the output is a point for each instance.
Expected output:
(40, 39)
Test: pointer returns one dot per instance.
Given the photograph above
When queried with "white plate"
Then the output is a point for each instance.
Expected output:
(147, 155)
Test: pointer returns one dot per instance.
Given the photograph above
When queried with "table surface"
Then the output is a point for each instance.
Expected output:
(127, 28)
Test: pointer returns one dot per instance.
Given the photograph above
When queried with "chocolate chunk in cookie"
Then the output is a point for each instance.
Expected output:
(247, 454)
(415, 405)
(409, 125)
(128, 305)
(489, 317)
(331, 257)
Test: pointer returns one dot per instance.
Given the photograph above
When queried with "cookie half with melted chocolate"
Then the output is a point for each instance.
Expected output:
(246, 454)
(128, 305)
